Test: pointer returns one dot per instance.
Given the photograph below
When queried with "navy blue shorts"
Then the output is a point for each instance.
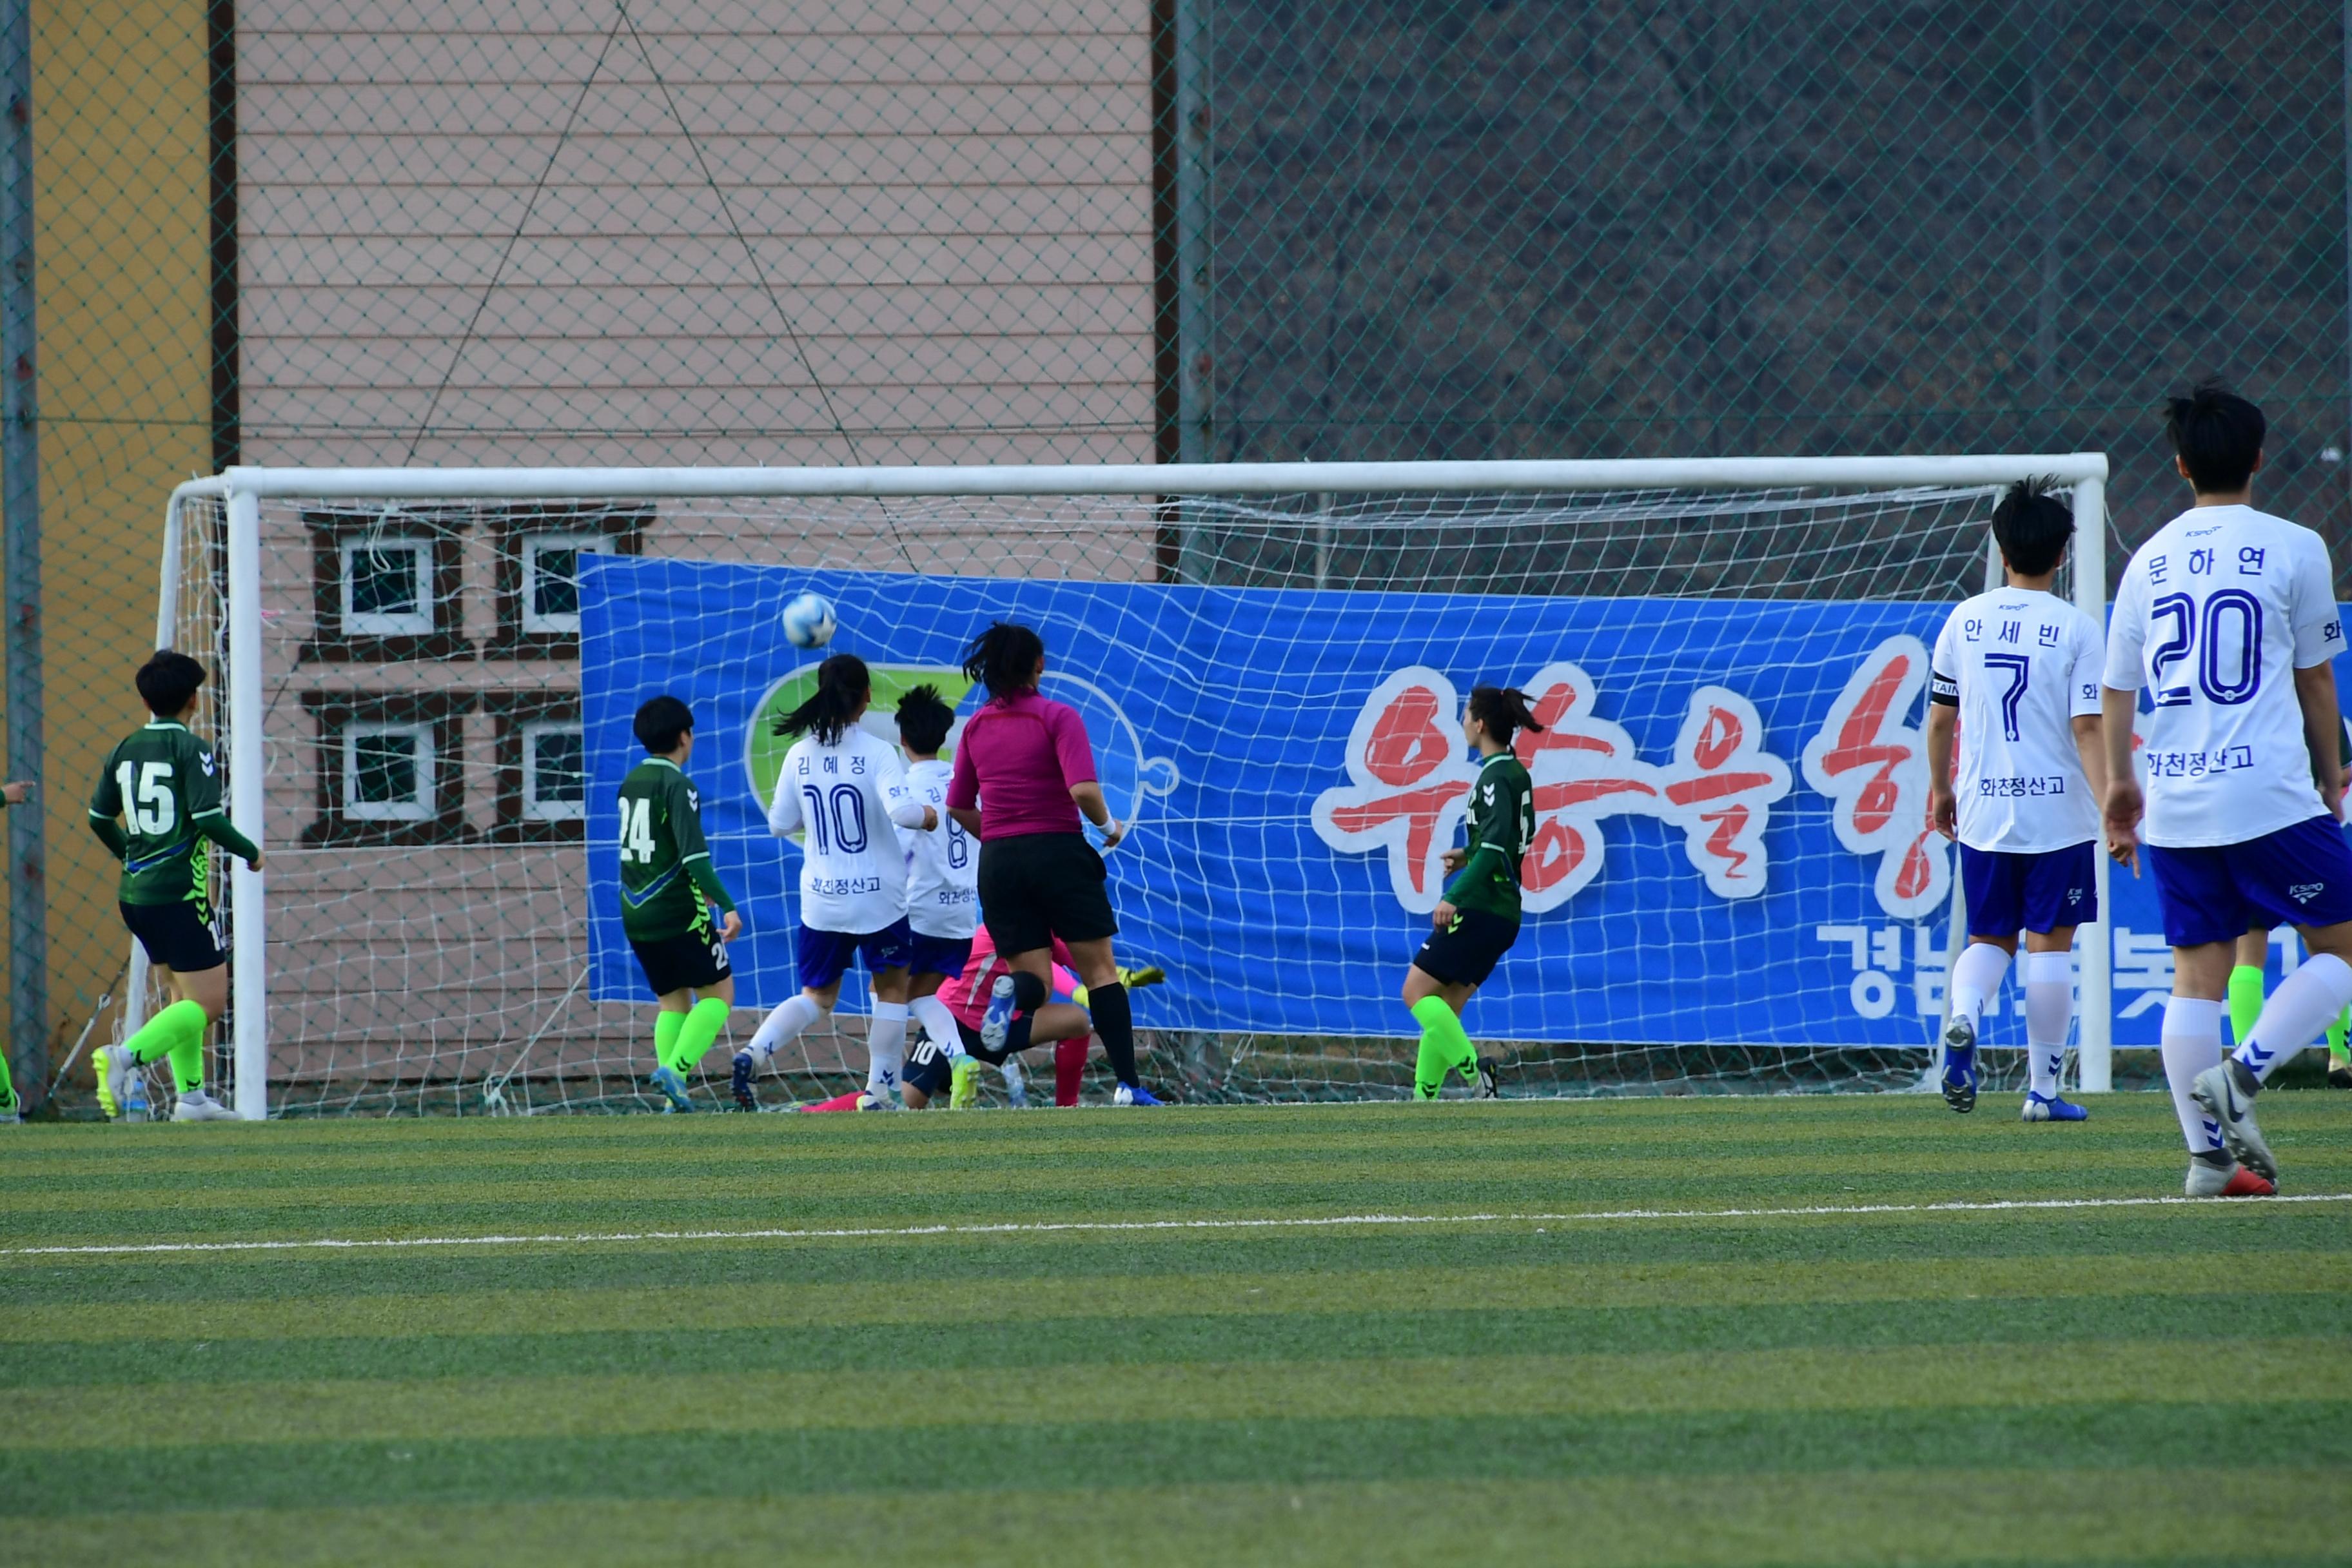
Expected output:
(824, 956)
(940, 955)
(929, 1067)
(2298, 875)
(2010, 892)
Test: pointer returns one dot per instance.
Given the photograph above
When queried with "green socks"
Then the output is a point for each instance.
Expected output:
(2245, 1000)
(178, 1032)
(680, 1040)
(696, 1031)
(7, 1087)
(665, 1029)
(1444, 1046)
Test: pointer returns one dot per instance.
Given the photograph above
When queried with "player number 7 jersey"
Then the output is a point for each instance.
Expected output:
(2021, 665)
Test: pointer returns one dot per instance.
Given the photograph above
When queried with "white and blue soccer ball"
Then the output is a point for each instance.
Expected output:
(808, 621)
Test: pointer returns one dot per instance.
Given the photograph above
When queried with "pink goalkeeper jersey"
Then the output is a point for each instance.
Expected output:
(1018, 759)
(966, 995)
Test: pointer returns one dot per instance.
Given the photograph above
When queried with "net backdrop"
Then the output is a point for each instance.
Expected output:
(428, 888)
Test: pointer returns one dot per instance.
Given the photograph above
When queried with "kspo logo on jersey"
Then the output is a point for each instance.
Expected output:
(1411, 780)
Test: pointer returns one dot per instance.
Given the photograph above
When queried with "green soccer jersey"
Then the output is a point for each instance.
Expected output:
(165, 786)
(1502, 826)
(667, 882)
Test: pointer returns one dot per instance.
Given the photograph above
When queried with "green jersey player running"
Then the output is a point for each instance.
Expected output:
(164, 784)
(1477, 919)
(667, 887)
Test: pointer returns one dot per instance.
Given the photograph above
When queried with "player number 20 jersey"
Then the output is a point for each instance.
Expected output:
(847, 801)
(2021, 666)
(943, 864)
(2214, 616)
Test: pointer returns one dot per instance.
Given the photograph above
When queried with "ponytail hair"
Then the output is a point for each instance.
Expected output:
(1502, 711)
(1004, 658)
(842, 689)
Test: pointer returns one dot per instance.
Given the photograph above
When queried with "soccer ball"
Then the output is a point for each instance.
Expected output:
(808, 621)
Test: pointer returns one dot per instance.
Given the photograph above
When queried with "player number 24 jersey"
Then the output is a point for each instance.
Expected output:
(2021, 666)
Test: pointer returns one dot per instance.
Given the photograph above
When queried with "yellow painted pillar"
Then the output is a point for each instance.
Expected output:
(121, 150)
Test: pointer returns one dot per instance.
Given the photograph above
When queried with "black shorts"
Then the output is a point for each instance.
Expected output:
(177, 937)
(1466, 951)
(1035, 887)
(687, 962)
(975, 1046)
(927, 1067)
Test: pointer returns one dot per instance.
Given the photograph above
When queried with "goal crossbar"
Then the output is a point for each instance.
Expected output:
(240, 489)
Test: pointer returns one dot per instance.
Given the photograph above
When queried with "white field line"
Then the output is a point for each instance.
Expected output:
(1042, 1227)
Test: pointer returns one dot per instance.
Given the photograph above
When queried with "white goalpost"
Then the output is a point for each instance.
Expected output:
(417, 673)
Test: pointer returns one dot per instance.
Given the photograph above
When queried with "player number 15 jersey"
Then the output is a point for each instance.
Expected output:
(2215, 616)
(2021, 665)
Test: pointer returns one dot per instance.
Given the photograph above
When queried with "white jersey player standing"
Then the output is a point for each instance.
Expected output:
(2017, 673)
(2229, 617)
(942, 903)
(846, 792)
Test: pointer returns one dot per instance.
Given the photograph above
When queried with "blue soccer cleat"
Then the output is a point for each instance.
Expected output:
(995, 1023)
(1133, 1094)
(2055, 1108)
(738, 1083)
(673, 1088)
(1959, 1079)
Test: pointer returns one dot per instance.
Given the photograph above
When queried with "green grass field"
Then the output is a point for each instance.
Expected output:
(2136, 1382)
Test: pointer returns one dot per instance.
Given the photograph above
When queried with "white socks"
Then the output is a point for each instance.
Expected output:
(2049, 1009)
(2305, 1002)
(787, 1020)
(886, 1046)
(2192, 1042)
(1976, 980)
(938, 1023)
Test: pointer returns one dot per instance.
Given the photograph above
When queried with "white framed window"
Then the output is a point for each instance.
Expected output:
(388, 771)
(554, 771)
(387, 586)
(550, 578)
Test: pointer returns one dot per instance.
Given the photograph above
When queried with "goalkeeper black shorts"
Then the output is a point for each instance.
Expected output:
(1466, 951)
(929, 1067)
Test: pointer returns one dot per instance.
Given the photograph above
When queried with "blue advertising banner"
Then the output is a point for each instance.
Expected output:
(1730, 794)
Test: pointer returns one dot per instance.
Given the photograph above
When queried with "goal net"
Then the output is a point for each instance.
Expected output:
(425, 680)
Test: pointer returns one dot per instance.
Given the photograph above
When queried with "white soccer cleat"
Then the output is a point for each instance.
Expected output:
(118, 1069)
(197, 1106)
(2230, 1181)
(870, 1101)
(2216, 1089)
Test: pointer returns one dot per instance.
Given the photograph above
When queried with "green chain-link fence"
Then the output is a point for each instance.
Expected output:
(578, 231)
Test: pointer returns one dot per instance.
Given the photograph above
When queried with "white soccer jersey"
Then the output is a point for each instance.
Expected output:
(2215, 616)
(2022, 665)
(848, 801)
(943, 864)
